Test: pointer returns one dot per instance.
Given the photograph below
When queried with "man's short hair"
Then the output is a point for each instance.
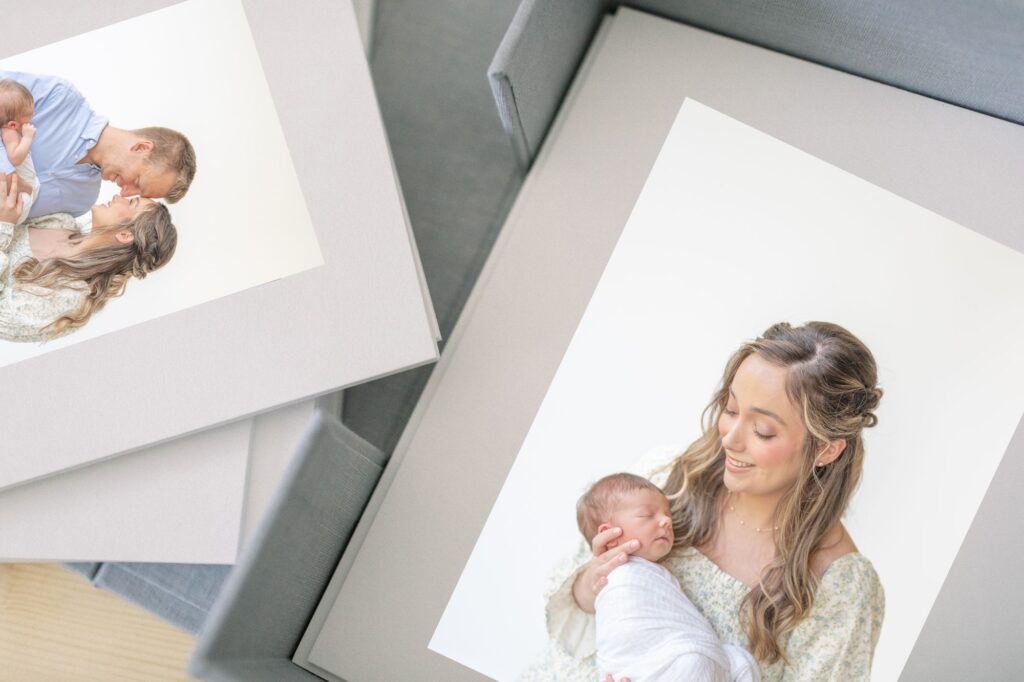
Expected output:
(15, 101)
(598, 503)
(173, 151)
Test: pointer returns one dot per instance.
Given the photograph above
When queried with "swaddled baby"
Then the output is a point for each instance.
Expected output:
(647, 630)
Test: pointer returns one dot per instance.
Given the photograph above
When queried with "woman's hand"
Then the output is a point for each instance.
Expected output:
(11, 204)
(606, 559)
(612, 679)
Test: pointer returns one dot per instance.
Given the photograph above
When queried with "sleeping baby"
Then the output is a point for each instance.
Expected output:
(647, 630)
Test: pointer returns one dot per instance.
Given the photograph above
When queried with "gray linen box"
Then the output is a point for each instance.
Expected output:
(267, 600)
(185, 591)
(965, 53)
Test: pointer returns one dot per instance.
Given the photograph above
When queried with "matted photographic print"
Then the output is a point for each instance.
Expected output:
(856, 360)
(153, 175)
(251, 309)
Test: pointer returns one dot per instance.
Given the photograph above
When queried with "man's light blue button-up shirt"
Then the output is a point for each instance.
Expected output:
(66, 129)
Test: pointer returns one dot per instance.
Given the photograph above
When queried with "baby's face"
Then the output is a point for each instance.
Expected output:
(645, 515)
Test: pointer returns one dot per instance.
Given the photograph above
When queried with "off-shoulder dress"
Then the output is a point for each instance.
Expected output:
(835, 643)
(25, 310)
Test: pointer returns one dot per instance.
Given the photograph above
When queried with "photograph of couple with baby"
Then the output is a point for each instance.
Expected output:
(62, 255)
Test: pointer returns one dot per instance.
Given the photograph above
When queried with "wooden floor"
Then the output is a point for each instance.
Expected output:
(54, 625)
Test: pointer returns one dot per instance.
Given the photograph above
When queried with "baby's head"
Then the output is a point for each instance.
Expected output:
(16, 104)
(633, 504)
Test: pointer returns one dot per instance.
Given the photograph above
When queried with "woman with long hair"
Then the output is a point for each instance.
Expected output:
(53, 278)
(757, 502)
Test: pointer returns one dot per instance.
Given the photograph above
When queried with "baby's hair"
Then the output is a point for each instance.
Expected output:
(597, 504)
(15, 101)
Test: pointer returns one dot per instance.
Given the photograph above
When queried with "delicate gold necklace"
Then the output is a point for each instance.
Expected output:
(728, 501)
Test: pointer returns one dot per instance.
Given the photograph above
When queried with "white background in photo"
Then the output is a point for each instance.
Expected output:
(733, 231)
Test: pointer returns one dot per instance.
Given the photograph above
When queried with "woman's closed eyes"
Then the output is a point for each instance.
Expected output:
(762, 436)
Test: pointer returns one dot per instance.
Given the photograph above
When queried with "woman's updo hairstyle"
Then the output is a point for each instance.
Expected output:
(103, 272)
(832, 381)
(155, 240)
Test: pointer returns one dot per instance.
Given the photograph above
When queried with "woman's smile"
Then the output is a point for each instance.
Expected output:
(735, 465)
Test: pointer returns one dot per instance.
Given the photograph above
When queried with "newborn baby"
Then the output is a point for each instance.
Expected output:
(647, 630)
(16, 110)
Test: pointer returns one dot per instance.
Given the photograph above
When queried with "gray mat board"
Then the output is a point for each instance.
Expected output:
(973, 630)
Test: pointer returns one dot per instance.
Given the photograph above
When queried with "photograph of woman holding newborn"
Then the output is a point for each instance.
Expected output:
(794, 491)
(759, 549)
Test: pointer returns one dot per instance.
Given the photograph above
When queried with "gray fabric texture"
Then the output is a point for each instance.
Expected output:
(456, 168)
(264, 607)
(258, 670)
(968, 53)
(535, 63)
(87, 570)
(181, 594)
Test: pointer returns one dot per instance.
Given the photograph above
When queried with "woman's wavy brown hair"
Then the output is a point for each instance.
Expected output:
(104, 271)
(832, 382)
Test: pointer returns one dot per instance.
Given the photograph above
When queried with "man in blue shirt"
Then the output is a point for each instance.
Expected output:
(75, 148)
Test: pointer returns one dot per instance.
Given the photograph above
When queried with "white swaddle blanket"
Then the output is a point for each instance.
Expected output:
(648, 631)
(27, 172)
